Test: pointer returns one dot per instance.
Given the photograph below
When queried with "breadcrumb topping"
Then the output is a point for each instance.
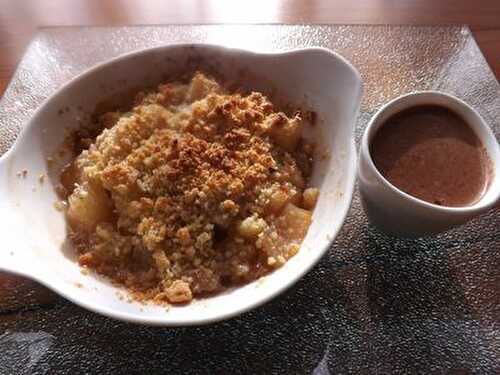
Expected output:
(191, 191)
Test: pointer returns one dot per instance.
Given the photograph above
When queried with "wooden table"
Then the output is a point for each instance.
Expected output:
(19, 19)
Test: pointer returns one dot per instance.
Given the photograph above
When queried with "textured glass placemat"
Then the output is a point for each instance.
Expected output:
(373, 304)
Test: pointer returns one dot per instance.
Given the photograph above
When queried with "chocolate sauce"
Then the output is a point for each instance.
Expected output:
(431, 153)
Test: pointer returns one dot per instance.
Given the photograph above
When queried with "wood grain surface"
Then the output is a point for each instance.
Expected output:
(19, 19)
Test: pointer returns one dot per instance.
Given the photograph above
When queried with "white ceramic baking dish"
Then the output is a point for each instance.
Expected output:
(34, 231)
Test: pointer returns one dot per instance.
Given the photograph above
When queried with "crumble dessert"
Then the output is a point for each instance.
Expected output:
(191, 191)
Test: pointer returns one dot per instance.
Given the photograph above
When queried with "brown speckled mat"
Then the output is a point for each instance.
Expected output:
(374, 304)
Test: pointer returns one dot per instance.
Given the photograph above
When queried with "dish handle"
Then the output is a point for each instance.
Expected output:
(12, 254)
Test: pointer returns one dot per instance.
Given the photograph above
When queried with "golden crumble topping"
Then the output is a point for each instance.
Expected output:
(191, 191)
